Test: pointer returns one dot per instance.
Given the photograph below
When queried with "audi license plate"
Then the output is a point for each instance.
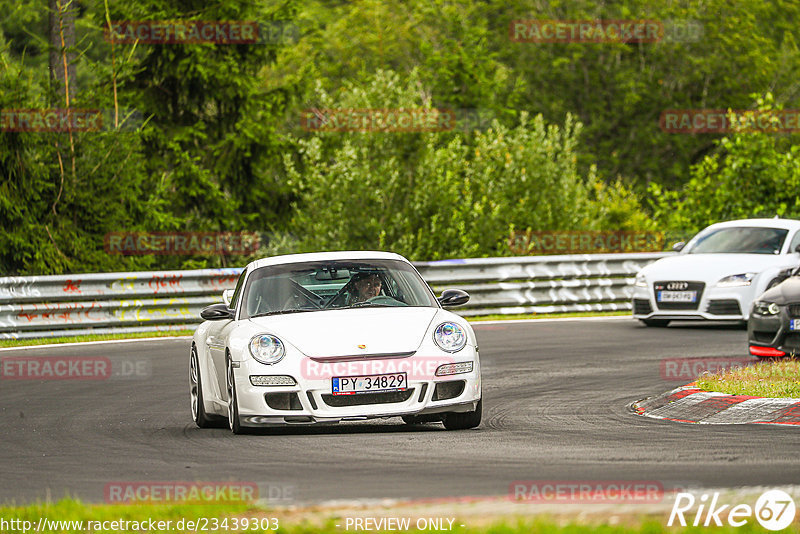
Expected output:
(794, 324)
(677, 296)
(350, 385)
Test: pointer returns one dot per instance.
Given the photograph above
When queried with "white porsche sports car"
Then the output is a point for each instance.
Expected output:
(330, 337)
(718, 273)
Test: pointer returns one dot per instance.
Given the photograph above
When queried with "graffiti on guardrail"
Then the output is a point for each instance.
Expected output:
(220, 281)
(139, 311)
(64, 312)
(72, 286)
(165, 282)
(14, 286)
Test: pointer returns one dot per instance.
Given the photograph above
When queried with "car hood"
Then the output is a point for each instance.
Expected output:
(784, 293)
(711, 268)
(338, 333)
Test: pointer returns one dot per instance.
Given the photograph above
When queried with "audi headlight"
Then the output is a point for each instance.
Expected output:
(766, 308)
(737, 280)
(450, 337)
(641, 280)
(267, 348)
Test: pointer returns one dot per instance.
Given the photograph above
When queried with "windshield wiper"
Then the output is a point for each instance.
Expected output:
(278, 312)
(372, 304)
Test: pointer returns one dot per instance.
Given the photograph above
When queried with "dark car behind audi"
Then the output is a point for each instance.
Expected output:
(773, 329)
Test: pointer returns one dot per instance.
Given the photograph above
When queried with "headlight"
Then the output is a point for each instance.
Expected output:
(267, 348)
(737, 280)
(766, 308)
(641, 281)
(450, 337)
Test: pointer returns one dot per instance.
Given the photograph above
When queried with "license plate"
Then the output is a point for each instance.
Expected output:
(351, 385)
(794, 324)
(677, 296)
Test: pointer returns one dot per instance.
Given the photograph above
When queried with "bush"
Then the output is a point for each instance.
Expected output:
(748, 175)
(444, 194)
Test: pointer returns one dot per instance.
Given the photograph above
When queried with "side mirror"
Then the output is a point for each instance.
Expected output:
(453, 297)
(227, 295)
(216, 312)
(677, 247)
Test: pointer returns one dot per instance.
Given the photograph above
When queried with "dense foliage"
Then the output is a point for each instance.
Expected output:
(569, 136)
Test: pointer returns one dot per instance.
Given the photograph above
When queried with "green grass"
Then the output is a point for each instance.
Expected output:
(780, 378)
(91, 337)
(310, 521)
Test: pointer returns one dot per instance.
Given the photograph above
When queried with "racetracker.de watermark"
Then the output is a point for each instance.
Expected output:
(584, 242)
(68, 120)
(402, 120)
(218, 32)
(417, 368)
(378, 120)
(180, 491)
(586, 491)
(690, 368)
(697, 121)
(73, 368)
(604, 31)
(182, 243)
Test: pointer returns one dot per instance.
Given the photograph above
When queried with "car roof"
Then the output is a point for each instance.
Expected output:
(323, 256)
(788, 224)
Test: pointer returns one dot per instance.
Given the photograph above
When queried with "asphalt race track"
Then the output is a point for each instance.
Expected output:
(556, 396)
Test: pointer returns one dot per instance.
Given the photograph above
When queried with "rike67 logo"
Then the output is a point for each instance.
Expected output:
(774, 510)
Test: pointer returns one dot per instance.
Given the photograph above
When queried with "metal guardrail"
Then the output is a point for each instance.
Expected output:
(47, 306)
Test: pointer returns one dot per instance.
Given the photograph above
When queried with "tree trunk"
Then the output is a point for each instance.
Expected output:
(62, 50)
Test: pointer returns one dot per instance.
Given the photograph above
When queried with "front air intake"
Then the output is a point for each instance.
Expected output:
(283, 401)
(448, 390)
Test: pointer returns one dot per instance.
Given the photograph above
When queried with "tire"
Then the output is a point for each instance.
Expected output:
(199, 415)
(233, 403)
(463, 421)
(659, 323)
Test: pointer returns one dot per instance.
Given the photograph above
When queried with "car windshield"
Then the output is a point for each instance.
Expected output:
(741, 240)
(329, 285)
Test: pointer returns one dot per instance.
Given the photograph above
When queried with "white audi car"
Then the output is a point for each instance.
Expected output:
(330, 337)
(718, 273)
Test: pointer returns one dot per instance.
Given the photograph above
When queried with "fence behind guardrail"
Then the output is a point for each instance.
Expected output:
(47, 306)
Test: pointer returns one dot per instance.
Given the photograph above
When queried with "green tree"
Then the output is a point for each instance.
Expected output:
(749, 174)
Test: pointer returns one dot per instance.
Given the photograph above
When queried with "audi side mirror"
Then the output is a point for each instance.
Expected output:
(217, 312)
(677, 247)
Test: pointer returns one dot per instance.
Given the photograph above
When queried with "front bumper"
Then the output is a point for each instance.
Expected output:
(310, 401)
(715, 304)
(773, 331)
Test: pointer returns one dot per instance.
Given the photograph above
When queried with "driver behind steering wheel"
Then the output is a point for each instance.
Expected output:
(366, 286)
